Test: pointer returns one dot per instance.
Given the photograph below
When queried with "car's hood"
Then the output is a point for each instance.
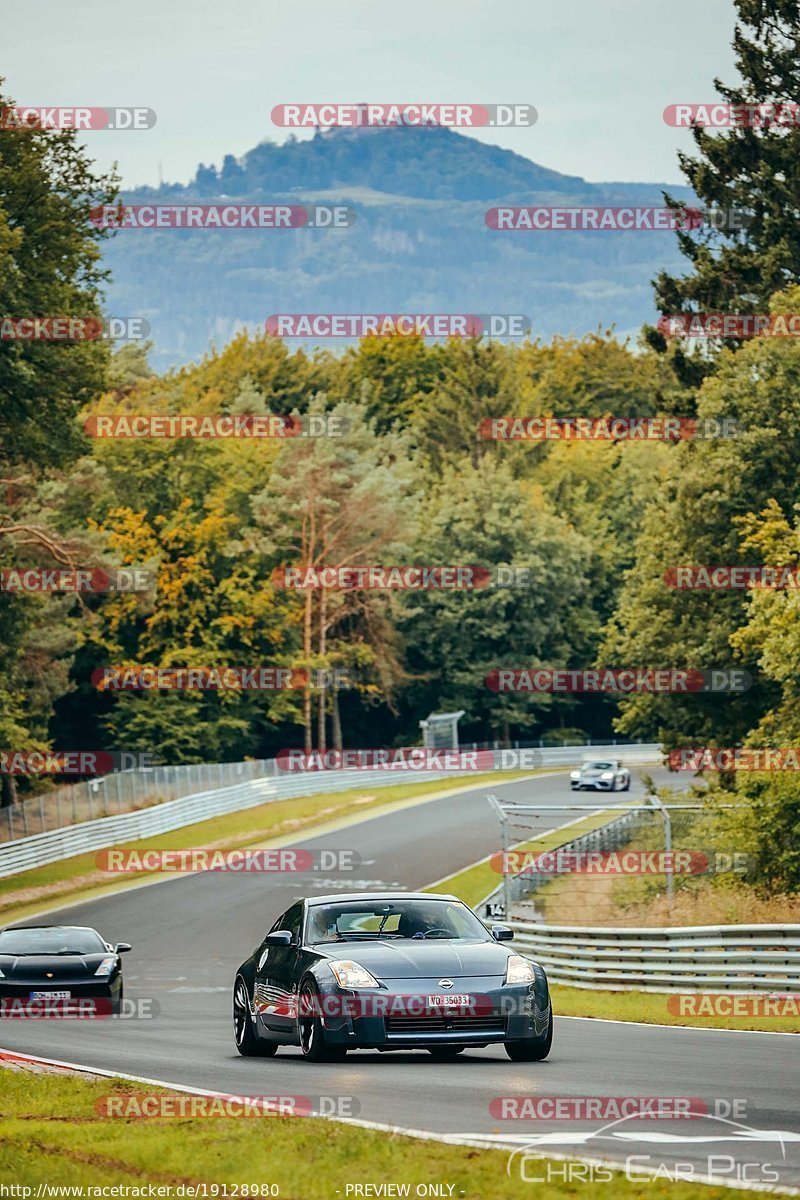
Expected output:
(48, 968)
(411, 958)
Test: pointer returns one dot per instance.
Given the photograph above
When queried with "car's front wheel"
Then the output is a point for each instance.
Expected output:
(532, 1049)
(312, 1034)
(248, 1043)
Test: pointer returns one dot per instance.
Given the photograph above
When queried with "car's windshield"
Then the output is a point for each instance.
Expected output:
(51, 941)
(370, 920)
(598, 766)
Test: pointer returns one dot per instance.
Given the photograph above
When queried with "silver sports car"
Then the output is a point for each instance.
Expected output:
(606, 775)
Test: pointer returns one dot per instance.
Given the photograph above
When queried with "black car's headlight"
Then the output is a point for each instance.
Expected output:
(106, 967)
(349, 974)
(519, 970)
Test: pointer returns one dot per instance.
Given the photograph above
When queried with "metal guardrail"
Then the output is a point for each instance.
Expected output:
(720, 958)
(40, 849)
(610, 836)
(130, 790)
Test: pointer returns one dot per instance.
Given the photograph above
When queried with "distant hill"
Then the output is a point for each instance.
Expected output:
(420, 242)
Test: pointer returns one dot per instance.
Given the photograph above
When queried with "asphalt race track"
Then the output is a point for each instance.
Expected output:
(190, 933)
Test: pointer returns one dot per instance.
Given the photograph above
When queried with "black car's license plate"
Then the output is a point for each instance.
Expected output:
(453, 1001)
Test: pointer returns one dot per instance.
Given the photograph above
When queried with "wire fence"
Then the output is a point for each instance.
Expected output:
(122, 792)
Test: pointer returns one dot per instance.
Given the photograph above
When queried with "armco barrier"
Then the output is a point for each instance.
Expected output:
(717, 958)
(43, 848)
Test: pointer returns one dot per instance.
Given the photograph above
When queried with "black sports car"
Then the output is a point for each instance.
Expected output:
(62, 968)
(389, 972)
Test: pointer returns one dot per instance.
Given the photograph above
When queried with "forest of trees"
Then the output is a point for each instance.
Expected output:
(596, 524)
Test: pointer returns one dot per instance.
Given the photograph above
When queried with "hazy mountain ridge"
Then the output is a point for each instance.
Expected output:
(420, 242)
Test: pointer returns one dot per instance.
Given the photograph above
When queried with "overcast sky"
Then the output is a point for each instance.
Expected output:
(600, 72)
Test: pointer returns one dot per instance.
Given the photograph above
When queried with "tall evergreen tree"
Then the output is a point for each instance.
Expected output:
(753, 168)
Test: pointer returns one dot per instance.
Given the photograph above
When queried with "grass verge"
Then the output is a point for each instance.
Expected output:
(476, 882)
(651, 1009)
(78, 878)
(51, 1134)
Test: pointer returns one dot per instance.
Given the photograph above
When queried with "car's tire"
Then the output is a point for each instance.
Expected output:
(312, 1034)
(627, 787)
(248, 1043)
(532, 1049)
(116, 1005)
(445, 1052)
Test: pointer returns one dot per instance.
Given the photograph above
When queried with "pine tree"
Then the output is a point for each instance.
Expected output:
(754, 169)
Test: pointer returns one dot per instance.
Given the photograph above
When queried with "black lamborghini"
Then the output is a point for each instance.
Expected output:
(397, 971)
(60, 970)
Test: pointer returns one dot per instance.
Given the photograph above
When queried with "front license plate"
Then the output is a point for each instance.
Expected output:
(447, 1001)
(50, 995)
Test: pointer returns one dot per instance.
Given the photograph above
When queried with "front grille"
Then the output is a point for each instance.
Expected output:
(437, 1023)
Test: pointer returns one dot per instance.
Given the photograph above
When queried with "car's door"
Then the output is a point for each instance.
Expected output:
(276, 983)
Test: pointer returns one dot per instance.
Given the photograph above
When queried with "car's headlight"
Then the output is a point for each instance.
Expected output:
(574, 774)
(607, 775)
(106, 966)
(349, 974)
(519, 970)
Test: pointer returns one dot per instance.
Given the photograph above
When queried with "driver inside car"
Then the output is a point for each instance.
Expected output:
(419, 922)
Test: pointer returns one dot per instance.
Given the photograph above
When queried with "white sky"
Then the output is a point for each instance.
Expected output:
(600, 72)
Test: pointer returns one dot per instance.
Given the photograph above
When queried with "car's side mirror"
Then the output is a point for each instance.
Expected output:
(123, 947)
(501, 933)
(281, 937)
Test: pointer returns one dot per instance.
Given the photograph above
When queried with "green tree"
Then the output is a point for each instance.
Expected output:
(752, 169)
(49, 266)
